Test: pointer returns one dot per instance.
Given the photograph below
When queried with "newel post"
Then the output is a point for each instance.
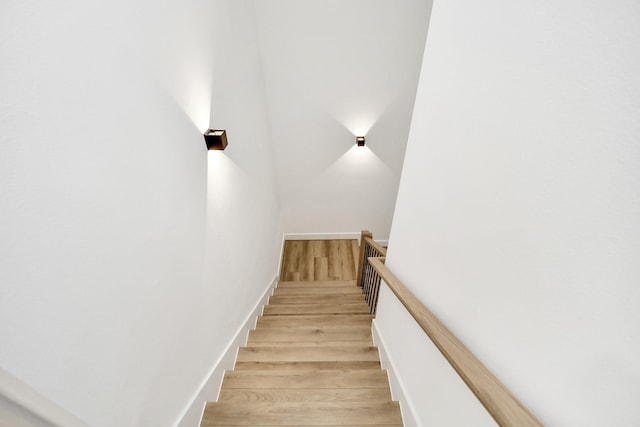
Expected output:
(363, 235)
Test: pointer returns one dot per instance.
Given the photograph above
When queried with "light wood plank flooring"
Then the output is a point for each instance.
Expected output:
(311, 360)
(312, 260)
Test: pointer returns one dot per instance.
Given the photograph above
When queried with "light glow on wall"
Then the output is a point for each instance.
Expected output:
(360, 124)
(220, 169)
(198, 111)
(194, 97)
(358, 158)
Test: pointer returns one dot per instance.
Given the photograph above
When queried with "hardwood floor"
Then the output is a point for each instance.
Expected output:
(310, 361)
(310, 260)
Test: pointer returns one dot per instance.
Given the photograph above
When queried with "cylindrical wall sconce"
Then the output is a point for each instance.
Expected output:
(360, 141)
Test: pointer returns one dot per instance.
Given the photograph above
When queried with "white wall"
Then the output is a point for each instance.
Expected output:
(430, 391)
(336, 69)
(111, 270)
(517, 213)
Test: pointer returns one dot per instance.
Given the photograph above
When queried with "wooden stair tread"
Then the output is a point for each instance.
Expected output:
(316, 299)
(317, 283)
(310, 333)
(305, 395)
(318, 320)
(286, 309)
(306, 378)
(295, 413)
(325, 365)
(318, 290)
(287, 344)
(308, 354)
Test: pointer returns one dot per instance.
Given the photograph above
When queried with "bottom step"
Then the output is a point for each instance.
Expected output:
(301, 413)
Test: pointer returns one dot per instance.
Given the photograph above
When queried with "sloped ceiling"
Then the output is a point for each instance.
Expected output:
(335, 69)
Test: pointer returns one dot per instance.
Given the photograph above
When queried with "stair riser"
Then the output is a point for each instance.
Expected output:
(311, 344)
(350, 290)
(304, 334)
(317, 299)
(303, 379)
(305, 365)
(306, 395)
(317, 283)
(317, 320)
(288, 309)
(308, 354)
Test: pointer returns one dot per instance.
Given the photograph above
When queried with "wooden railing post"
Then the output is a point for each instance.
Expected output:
(364, 234)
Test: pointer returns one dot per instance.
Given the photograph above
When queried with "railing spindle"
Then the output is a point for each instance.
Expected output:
(368, 278)
(363, 236)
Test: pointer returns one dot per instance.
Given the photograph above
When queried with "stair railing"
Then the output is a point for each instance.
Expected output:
(368, 278)
(503, 406)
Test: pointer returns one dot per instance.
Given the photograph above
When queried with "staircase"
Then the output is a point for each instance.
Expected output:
(310, 360)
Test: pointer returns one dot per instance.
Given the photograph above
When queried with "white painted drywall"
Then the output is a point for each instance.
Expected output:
(118, 292)
(209, 389)
(517, 220)
(433, 394)
(336, 69)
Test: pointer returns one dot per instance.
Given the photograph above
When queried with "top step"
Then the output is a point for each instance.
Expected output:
(317, 283)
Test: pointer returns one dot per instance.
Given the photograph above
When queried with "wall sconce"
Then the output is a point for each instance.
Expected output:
(360, 141)
(216, 139)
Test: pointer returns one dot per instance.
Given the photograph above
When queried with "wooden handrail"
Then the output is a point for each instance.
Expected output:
(494, 396)
(376, 246)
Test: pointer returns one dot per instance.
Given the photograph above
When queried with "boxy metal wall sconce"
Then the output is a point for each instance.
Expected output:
(360, 141)
(216, 139)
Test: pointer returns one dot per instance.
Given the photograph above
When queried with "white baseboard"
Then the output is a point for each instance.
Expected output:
(209, 389)
(322, 236)
(24, 403)
(382, 242)
(397, 389)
